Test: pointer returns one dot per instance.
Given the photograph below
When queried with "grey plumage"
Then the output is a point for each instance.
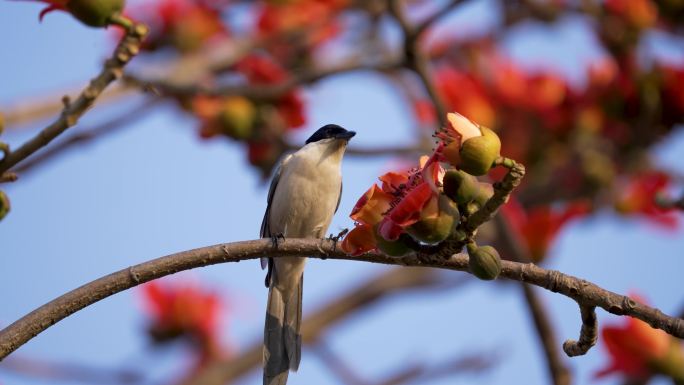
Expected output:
(302, 200)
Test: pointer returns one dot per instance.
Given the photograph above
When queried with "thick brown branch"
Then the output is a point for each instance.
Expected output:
(73, 110)
(588, 334)
(583, 292)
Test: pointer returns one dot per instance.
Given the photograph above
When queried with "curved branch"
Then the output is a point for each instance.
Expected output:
(73, 110)
(588, 334)
(583, 292)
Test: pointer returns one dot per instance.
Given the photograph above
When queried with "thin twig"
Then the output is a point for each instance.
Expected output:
(415, 59)
(71, 372)
(432, 19)
(558, 371)
(86, 136)
(336, 365)
(588, 334)
(260, 92)
(73, 110)
(583, 292)
(8, 177)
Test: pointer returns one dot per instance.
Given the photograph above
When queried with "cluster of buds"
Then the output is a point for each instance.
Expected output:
(258, 123)
(425, 205)
(94, 13)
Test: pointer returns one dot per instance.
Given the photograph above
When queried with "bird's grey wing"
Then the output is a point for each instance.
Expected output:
(339, 198)
(265, 231)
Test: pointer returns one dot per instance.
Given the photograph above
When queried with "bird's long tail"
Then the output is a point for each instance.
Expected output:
(282, 339)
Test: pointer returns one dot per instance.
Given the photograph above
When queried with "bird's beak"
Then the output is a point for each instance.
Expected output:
(345, 135)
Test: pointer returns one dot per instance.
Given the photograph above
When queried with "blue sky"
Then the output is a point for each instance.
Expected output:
(154, 188)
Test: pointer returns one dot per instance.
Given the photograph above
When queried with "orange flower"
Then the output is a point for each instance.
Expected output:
(360, 240)
(639, 13)
(183, 309)
(372, 206)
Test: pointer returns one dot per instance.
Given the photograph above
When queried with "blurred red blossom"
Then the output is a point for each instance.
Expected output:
(638, 351)
(186, 25)
(637, 196)
(184, 309)
(538, 226)
(260, 69)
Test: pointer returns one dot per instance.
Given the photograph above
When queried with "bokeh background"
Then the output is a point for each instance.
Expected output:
(155, 188)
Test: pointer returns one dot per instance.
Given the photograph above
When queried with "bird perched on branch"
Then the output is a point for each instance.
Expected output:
(304, 195)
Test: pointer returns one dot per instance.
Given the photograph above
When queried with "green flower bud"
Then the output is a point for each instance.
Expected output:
(437, 221)
(478, 153)
(484, 261)
(4, 205)
(95, 13)
(460, 186)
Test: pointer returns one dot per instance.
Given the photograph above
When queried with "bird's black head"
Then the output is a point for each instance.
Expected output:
(330, 131)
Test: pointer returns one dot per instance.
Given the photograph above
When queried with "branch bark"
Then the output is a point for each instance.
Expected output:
(581, 291)
(73, 110)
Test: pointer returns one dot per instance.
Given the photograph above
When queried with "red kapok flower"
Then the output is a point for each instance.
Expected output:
(361, 239)
(372, 206)
(183, 309)
(91, 13)
(638, 351)
(260, 69)
(638, 196)
(538, 227)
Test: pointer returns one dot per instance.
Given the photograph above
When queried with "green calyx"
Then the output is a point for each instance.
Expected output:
(460, 186)
(95, 13)
(4, 205)
(478, 153)
(437, 220)
(392, 248)
(484, 261)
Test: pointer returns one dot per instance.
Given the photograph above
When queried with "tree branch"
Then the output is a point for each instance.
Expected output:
(260, 92)
(581, 291)
(73, 110)
(88, 135)
(588, 334)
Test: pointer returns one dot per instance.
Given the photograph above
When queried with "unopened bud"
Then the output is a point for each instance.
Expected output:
(478, 154)
(95, 13)
(484, 261)
(437, 220)
(460, 186)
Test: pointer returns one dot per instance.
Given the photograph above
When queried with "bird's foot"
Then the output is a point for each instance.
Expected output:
(336, 238)
(275, 239)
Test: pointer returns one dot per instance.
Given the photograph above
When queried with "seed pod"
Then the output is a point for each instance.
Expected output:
(95, 13)
(437, 221)
(4, 205)
(478, 153)
(484, 261)
(460, 186)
